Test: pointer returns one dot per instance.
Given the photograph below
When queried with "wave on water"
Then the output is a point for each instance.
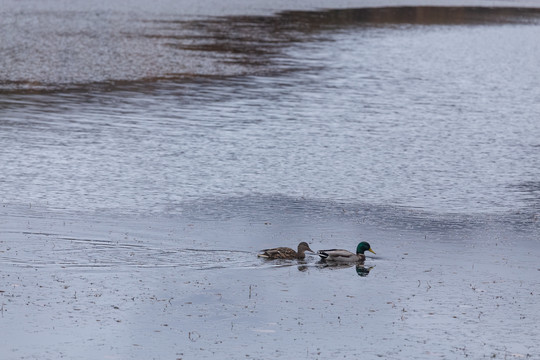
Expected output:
(282, 207)
(266, 209)
(54, 250)
(388, 139)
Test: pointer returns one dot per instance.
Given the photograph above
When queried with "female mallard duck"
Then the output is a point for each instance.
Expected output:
(344, 255)
(285, 252)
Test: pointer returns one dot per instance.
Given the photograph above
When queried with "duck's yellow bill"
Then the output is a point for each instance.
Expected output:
(372, 251)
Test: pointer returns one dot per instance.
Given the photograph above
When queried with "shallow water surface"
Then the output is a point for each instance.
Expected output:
(118, 288)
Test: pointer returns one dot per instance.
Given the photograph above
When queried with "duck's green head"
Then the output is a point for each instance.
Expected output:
(363, 246)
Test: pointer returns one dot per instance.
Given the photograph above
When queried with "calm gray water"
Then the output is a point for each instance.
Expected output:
(441, 118)
(149, 152)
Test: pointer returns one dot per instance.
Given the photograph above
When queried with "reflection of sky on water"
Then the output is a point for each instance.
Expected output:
(132, 211)
(366, 107)
(389, 130)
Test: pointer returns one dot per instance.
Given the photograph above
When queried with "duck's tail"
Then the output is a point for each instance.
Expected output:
(322, 254)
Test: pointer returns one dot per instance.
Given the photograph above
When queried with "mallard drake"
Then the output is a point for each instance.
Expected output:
(344, 255)
(285, 252)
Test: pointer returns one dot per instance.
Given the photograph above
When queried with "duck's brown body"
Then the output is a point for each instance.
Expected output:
(285, 252)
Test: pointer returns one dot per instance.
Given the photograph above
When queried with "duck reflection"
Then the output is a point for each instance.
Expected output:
(303, 265)
(361, 270)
